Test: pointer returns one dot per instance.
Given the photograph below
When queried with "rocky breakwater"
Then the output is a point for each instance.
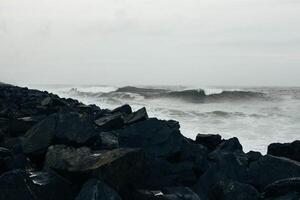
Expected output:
(56, 148)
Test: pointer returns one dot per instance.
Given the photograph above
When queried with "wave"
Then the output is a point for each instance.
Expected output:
(191, 95)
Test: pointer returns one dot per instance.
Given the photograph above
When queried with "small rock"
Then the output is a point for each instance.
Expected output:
(94, 189)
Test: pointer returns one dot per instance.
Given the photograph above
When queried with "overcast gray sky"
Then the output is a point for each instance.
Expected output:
(194, 42)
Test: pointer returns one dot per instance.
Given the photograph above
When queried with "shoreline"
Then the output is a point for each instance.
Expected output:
(79, 150)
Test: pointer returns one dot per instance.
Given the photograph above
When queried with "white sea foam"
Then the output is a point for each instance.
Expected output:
(256, 122)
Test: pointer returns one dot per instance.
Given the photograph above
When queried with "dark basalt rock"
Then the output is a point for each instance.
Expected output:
(172, 193)
(282, 187)
(288, 150)
(232, 190)
(75, 129)
(109, 140)
(18, 184)
(253, 156)
(125, 109)
(94, 189)
(119, 168)
(209, 140)
(111, 122)
(20, 126)
(157, 138)
(269, 169)
(139, 115)
(40, 136)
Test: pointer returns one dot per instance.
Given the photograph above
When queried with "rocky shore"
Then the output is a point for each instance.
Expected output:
(54, 148)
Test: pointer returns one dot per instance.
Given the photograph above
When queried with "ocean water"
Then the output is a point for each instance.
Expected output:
(257, 116)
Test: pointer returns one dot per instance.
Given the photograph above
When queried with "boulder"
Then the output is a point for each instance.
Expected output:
(269, 169)
(253, 156)
(124, 109)
(171, 193)
(18, 184)
(110, 122)
(120, 168)
(158, 138)
(40, 136)
(94, 189)
(282, 187)
(209, 140)
(15, 185)
(232, 190)
(75, 129)
(223, 166)
(109, 140)
(20, 126)
(139, 115)
(288, 150)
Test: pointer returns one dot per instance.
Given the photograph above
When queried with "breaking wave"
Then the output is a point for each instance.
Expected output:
(190, 95)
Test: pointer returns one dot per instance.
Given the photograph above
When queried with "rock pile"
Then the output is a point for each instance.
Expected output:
(56, 148)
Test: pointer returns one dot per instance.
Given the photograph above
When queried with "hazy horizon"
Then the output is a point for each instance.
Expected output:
(143, 42)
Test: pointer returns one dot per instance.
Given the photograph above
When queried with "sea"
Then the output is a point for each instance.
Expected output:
(257, 116)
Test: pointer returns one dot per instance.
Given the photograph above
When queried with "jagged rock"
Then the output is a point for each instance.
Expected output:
(40, 136)
(269, 169)
(288, 150)
(139, 115)
(119, 168)
(225, 164)
(109, 140)
(232, 190)
(15, 185)
(111, 122)
(282, 187)
(69, 128)
(75, 129)
(47, 101)
(124, 109)
(18, 184)
(94, 189)
(158, 138)
(21, 125)
(253, 156)
(6, 160)
(209, 140)
(172, 193)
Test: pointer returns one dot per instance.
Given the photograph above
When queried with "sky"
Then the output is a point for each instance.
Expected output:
(164, 42)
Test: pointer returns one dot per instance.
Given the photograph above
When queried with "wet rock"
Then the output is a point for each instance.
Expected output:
(269, 169)
(124, 109)
(109, 140)
(119, 168)
(232, 190)
(40, 136)
(47, 101)
(158, 138)
(282, 187)
(139, 115)
(172, 193)
(18, 184)
(209, 140)
(288, 150)
(75, 129)
(94, 189)
(253, 156)
(15, 185)
(20, 126)
(223, 166)
(111, 122)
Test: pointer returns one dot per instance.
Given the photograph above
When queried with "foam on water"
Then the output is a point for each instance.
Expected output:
(255, 121)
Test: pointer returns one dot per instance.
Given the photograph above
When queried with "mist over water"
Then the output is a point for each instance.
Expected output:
(257, 116)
